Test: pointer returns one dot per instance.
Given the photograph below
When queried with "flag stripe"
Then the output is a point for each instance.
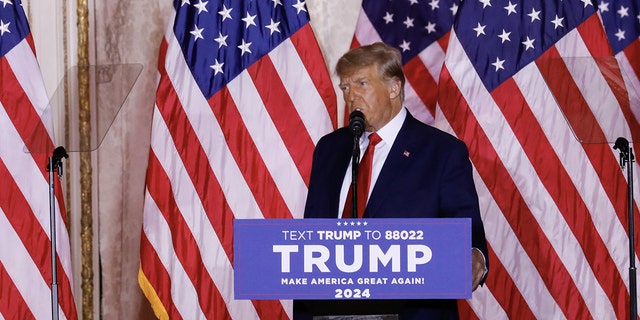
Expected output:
(633, 52)
(511, 202)
(12, 305)
(506, 291)
(557, 182)
(158, 290)
(218, 265)
(421, 81)
(509, 254)
(600, 155)
(562, 240)
(187, 249)
(27, 141)
(18, 203)
(20, 263)
(177, 118)
(185, 297)
(238, 112)
(309, 54)
(288, 125)
(553, 209)
(252, 144)
(588, 32)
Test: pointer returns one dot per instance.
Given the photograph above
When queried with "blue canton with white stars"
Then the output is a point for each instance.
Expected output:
(621, 19)
(411, 25)
(503, 36)
(13, 25)
(220, 39)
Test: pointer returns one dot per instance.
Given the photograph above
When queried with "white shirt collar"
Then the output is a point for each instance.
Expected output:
(389, 131)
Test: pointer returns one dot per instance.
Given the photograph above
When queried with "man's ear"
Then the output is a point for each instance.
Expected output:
(394, 89)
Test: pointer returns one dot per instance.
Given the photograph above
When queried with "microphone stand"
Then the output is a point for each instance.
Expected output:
(626, 159)
(355, 164)
(55, 163)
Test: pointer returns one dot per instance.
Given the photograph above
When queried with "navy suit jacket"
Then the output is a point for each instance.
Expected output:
(427, 174)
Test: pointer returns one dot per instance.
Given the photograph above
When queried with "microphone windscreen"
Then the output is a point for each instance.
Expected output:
(356, 123)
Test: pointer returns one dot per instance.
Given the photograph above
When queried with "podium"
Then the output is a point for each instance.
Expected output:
(377, 263)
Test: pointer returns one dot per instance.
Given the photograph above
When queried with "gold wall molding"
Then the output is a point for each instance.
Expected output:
(86, 186)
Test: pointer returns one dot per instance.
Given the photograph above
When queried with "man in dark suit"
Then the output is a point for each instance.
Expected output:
(417, 172)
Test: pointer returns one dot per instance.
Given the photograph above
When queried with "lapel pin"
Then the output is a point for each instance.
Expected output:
(406, 153)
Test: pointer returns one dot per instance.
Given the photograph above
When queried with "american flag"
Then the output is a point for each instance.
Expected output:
(523, 83)
(25, 253)
(621, 19)
(420, 30)
(243, 96)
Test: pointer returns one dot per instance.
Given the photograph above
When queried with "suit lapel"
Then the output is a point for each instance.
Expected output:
(393, 171)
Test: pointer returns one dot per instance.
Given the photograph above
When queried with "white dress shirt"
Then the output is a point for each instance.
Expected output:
(388, 133)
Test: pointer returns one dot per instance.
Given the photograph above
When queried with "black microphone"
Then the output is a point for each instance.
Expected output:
(356, 123)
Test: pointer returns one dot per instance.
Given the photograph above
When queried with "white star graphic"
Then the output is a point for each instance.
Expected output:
(276, 3)
(273, 27)
(4, 27)
(412, 2)
(587, 3)
(221, 40)
(201, 6)
(454, 9)
(603, 6)
(528, 44)
(197, 33)
(479, 30)
(620, 35)
(300, 6)
(623, 11)
(511, 8)
(185, 2)
(249, 20)
(534, 15)
(485, 3)
(434, 4)
(388, 18)
(405, 46)
(225, 13)
(498, 64)
(431, 27)
(217, 67)
(408, 22)
(244, 47)
(504, 36)
(5, 2)
(557, 22)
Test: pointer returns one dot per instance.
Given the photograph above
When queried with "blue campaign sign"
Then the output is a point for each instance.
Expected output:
(352, 259)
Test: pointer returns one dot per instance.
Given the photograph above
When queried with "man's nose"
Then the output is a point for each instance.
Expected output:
(350, 96)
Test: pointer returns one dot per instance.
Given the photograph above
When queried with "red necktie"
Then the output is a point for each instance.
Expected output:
(363, 179)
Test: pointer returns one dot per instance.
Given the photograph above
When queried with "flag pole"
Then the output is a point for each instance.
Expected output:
(55, 163)
(626, 159)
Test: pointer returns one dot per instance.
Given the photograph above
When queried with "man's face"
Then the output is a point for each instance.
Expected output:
(378, 100)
